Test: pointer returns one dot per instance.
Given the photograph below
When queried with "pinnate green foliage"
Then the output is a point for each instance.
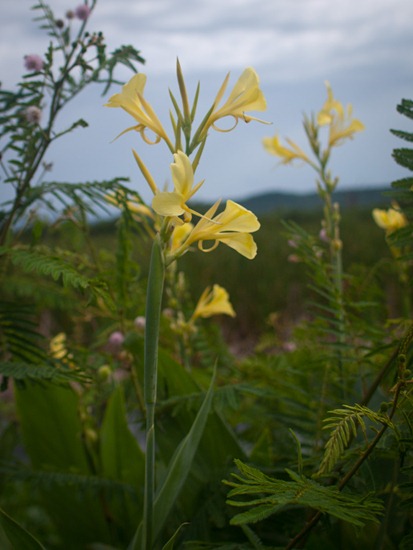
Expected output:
(344, 424)
(60, 265)
(266, 496)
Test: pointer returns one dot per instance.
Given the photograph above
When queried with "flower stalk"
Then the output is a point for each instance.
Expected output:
(341, 126)
(176, 233)
(153, 315)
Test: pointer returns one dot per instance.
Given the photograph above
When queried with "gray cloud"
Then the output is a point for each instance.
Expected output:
(362, 46)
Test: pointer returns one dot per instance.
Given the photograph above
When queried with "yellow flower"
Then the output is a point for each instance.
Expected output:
(245, 96)
(131, 100)
(213, 302)
(179, 234)
(57, 346)
(287, 155)
(390, 219)
(134, 206)
(58, 349)
(174, 203)
(231, 227)
(342, 125)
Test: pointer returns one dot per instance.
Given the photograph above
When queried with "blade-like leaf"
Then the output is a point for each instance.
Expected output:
(17, 535)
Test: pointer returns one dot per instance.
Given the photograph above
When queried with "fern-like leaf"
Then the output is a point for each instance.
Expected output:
(46, 262)
(19, 338)
(44, 372)
(344, 425)
(268, 495)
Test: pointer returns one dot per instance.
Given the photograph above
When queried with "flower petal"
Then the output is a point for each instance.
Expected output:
(182, 174)
(243, 243)
(213, 302)
(168, 204)
(237, 218)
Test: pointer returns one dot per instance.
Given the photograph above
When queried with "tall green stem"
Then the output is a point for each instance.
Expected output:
(153, 314)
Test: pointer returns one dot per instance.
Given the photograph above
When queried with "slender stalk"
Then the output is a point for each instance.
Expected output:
(153, 314)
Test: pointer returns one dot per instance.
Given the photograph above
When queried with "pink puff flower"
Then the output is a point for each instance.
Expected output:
(33, 62)
(116, 340)
(33, 114)
(82, 12)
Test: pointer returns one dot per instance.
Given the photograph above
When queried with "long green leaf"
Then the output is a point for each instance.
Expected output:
(122, 460)
(17, 535)
(178, 470)
(180, 464)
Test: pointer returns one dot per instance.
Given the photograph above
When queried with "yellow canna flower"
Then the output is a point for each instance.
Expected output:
(287, 155)
(342, 125)
(131, 100)
(179, 234)
(174, 203)
(231, 227)
(134, 206)
(390, 219)
(245, 96)
(213, 302)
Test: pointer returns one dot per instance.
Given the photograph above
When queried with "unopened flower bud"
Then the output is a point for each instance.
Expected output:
(323, 235)
(289, 346)
(337, 244)
(70, 14)
(104, 372)
(33, 114)
(140, 322)
(59, 23)
(33, 62)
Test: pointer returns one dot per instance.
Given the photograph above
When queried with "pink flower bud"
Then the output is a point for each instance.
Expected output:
(116, 339)
(289, 346)
(323, 235)
(82, 12)
(33, 62)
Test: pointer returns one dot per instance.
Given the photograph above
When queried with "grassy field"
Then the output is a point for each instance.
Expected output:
(271, 284)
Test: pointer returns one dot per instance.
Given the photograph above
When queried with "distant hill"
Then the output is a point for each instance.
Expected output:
(374, 197)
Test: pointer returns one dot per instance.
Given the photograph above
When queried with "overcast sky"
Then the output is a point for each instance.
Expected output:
(363, 47)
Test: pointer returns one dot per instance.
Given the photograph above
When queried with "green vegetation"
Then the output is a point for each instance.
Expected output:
(132, 420)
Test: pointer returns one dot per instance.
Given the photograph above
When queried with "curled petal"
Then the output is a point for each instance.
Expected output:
(243, 243)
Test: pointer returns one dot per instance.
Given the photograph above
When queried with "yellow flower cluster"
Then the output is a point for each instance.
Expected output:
(234, 225)
(390, 220)
(339, 121)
